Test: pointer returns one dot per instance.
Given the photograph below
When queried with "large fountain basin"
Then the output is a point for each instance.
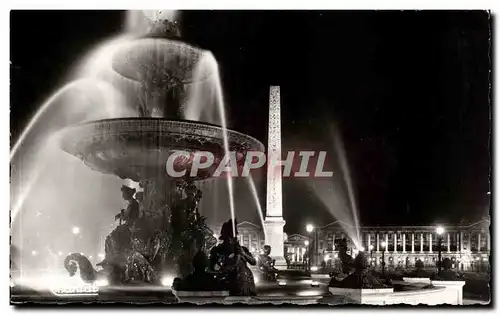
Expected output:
(138, 148)
(441, 292)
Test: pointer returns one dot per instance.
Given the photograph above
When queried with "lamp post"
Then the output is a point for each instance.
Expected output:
(384, 244)
(309, 229)
(371, 254)
(308, 254)
(439, 231)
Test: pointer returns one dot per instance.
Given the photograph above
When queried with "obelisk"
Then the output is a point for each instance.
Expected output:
(274, 222)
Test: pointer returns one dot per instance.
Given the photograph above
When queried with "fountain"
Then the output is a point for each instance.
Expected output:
(337, 193)
(170, 231)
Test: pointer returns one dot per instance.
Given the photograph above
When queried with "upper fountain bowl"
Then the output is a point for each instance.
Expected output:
(138, 148)
(165, 56)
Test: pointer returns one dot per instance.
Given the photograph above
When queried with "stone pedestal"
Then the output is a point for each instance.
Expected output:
(363, 296)
(443, 293)
(275, 238)
(453, 293)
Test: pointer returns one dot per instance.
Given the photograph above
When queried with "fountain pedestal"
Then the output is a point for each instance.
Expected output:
(275, 238)
(170, 231)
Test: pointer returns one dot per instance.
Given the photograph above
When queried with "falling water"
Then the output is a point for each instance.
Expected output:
(255, 195)
(337, 193)
(332, 196)
(339, 149)
(88, 73)
(98, 62)
(54, 114)
(200, 106)
(222, 113)
(95, 66)
(41, 174)
(45, 106)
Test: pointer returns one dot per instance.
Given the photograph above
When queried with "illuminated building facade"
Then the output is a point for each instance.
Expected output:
(468, 246)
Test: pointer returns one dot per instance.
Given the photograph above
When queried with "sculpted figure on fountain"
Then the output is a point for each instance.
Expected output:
(140, 247)
(229, 261)
(346, 260)
(129, 215)
(266, 264)
(200, 279)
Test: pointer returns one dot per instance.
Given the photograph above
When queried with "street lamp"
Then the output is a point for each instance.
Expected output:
(384, 244)
(306, 243)
(439, 231)
(309, 229)
(76, 230)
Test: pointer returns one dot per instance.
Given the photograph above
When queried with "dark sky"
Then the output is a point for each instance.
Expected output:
(409, 92)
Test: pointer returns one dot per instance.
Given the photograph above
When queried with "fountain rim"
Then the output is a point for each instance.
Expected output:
(174, 120)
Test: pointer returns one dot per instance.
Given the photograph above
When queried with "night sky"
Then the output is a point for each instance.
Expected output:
(409, 93)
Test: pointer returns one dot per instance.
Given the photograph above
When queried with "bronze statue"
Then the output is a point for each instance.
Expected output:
(139, 250)
(346, 260)
(229, 259)
(199, 279)
(130, 214)
(266, 264)
(360, 277)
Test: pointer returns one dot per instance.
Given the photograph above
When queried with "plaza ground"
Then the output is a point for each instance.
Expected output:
(475, 291)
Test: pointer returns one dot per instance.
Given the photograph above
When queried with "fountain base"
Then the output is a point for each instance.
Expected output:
(275, 238)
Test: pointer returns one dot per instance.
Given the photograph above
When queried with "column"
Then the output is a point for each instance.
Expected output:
(488, 240)
(413, 243)
(386, 242)
(470, 242)
(421, 242)
(249, 241)
(404, 242)
(448, 242)
(378, 243)
(369, 242)
(461, 243)
(258, 242)
(458, 242)
(430, 242)
(395, 242)
(479, 242)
